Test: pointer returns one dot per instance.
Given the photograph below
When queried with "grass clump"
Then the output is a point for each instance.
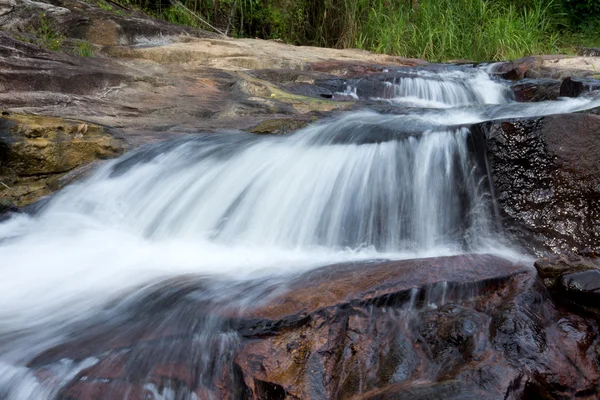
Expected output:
(46, 34)
(83, 48)
(441, 30)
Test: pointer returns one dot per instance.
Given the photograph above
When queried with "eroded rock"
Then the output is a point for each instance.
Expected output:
(35, 152)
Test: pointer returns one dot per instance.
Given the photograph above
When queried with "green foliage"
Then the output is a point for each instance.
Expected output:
(441, 30)
(83, 49)
(583, 15)
(47, 35)
(438, 30)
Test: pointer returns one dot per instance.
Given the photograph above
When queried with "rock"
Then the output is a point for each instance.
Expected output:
(533, 90)
(6, 205)
(27, 69)
(280, 126)
(115, 25)
(588, 51)
(36, 151)
(515, 70)
(574, 87)
(547, 180)
(574, 280)
(472, 326)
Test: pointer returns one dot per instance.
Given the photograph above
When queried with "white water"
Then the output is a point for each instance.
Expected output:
(450, 89)
(246, 207)
(427, 89)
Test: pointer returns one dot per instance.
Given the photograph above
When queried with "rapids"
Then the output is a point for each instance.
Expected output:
(234, 207)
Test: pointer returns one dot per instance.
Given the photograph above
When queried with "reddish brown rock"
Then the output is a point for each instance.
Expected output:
(443, 328)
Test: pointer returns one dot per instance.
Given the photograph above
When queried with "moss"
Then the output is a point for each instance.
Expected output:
(40, 150)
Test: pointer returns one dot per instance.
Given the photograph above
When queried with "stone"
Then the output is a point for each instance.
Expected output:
(280, 126)
(533, 90)
(547, 180)
(439, 328)
(575, 87)
(35, 152)
(516, 70)
(572, 279)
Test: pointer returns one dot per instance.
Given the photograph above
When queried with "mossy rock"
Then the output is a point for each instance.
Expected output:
(278, 126)
(35, 151)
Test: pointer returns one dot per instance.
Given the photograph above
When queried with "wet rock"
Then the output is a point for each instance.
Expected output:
(515, 70)
(532, 90)
(46, 77)
(280, 126)
(547, 180)
(464, 327)
(35, 152)
(572, 279)
(574, 87)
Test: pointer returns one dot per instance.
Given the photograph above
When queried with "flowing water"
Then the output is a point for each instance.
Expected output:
(234, 207)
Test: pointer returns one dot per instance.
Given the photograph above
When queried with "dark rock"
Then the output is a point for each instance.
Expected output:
(27, 68)
(515, 70)
(573, 279)
(6, 205)
(532, 90)
(547, 180)
(574, 87)
(588, 51)
(464, 327)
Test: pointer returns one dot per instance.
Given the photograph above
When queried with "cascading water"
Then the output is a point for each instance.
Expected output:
(421, 88)
(241, 213)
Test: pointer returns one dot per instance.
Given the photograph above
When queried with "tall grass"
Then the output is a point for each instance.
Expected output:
(441, 30)
(438, 30)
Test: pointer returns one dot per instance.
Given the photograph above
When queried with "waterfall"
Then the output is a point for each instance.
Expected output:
(319, 188)
(233, 207)
(422, 88)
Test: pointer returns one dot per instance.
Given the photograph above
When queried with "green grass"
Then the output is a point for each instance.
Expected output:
(47, 35)
(438, 30)
(441, 30)
(83, 49)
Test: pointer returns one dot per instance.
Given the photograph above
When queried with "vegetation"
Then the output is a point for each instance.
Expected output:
(83, 48)
(438, 30)
(45, 34)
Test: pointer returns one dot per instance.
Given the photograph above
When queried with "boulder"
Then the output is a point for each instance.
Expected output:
(532, 90)
(471, 326)
(574, 87)
(547, 180)
(36, 151)
(515, 70)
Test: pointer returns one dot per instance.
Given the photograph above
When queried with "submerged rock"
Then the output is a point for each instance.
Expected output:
(547, 180)
(36, 151)
(473, 326)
